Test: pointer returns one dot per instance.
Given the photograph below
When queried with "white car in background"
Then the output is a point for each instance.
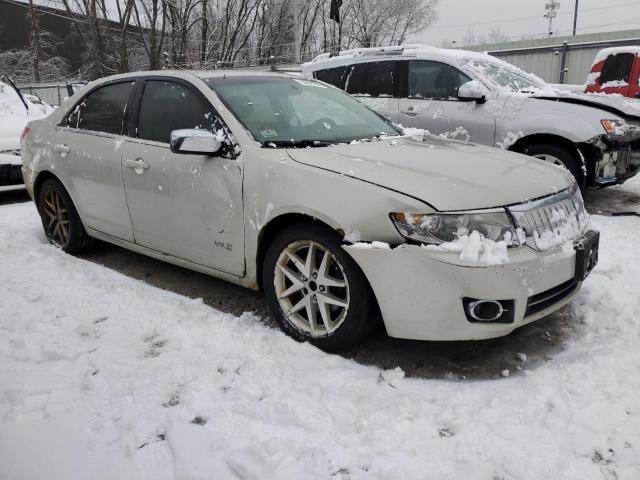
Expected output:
(15, 112)
(478, 98)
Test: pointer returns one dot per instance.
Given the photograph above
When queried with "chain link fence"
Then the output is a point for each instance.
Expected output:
(52, 93)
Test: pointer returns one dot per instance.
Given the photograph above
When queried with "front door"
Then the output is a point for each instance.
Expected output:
(187, 206)
(431, 102)
(89, 144)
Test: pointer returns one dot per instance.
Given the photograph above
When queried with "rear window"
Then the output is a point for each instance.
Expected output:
(373, 79)
(617, 68)
(103, 110)
(332, 76)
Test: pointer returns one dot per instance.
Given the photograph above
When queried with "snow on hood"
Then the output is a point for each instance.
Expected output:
(616, 104)
(447, 175)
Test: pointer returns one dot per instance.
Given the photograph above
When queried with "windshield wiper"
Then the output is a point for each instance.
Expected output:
(296, 143)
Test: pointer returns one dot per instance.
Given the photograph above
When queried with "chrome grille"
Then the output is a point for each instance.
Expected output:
(551, 221)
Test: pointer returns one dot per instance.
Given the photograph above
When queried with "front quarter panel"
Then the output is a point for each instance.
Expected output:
(530, 116)
(276, 185)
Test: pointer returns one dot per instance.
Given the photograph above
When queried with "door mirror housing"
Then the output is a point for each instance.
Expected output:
(194, 141)
(472, 91)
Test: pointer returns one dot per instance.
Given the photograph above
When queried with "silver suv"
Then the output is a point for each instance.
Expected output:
(293, 187)
(478, 98)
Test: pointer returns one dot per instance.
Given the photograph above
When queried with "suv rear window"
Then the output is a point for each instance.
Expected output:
(332, 76)
(617, 68)
(374, 79)
(103, 110)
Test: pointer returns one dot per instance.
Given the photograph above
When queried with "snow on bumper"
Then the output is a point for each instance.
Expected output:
(420, 292)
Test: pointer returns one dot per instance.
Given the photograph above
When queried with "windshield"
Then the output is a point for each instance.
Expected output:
(508, 76)
(296, 112)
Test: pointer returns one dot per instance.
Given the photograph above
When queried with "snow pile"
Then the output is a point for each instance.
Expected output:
(105, 377)
(614, 84)
(509, 140)
(475, 248)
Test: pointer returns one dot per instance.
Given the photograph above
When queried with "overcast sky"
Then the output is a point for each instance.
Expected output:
(517, 17)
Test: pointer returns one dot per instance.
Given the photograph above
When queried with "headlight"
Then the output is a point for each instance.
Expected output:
(445, 227)
(615, 127)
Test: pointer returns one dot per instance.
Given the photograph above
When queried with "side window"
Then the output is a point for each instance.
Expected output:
(168, 106)
(434, 80)
(617, 68)
(103, 110)
(333, 76)
(374, 79)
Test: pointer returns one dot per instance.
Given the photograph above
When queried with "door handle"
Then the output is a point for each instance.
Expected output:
(61, 148)
(137, 164)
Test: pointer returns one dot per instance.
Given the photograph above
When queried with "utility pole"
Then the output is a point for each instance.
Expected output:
(575, 19)
(552, 13)
(297, 34)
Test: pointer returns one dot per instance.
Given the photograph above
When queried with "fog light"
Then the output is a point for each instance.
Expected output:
(488, 311)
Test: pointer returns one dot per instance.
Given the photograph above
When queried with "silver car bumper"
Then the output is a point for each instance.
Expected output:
(422, 293)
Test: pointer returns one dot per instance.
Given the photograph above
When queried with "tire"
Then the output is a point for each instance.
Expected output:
(60, 219)
(336, 326)
(559, 155)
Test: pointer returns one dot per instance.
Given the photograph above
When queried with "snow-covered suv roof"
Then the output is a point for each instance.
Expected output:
(410, 51)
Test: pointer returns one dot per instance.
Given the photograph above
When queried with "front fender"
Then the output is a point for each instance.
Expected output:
(575, 123)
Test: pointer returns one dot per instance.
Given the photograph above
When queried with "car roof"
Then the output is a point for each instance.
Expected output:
(202, 74)
(606, 52)
(401, 52)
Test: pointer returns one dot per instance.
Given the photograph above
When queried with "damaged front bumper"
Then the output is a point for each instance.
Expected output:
(425, 294)
(613, 161)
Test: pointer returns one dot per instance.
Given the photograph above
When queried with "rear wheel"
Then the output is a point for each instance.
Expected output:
(315, 289)
(60, 219)
(561, 156)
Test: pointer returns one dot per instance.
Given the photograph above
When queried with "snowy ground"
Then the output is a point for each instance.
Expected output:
(105, 376)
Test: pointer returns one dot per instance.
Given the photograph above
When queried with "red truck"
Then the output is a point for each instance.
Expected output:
(616, 70)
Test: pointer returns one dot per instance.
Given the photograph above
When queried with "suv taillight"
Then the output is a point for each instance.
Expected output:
(24, 133)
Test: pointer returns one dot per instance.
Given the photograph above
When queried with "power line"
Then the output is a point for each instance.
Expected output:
(536, 17)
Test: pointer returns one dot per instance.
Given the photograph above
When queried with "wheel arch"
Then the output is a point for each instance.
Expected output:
(580, 152)
(45, 175)
(42, 177)
(521, 145)
(275, 225)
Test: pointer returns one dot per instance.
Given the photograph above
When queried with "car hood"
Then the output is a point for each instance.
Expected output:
(447, 175)
(616, 104)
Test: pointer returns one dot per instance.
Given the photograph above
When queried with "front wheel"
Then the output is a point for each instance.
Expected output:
(316, 290)
(559, 156)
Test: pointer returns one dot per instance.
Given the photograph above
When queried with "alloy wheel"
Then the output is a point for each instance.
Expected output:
(56, 217)
(312, 288)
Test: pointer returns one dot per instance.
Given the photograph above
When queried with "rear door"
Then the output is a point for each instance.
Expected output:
(373, 84)
(88, 144)
(431, 102)
(187, 206)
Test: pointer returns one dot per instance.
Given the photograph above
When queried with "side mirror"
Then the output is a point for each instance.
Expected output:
(472, 91)
(194, 141)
